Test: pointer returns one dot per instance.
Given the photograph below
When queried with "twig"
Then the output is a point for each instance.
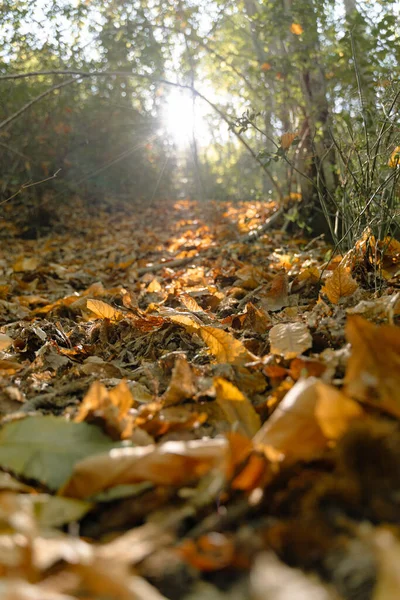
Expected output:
(34, 100)
(24, 186)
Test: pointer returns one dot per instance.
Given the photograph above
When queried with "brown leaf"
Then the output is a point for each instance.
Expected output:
(172, 463)
(182, 386)
(340, 284)
(5, 341)
(277, 295)
(373, 370)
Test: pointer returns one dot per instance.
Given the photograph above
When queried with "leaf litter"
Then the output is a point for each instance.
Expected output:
(195, 405)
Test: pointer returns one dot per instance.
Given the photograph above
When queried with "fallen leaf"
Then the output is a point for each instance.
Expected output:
(238, 409)
(182, 385)
(24, 264)
(290, 339)
(55, 445)
(225, 347)
(5, 341)
(339, 284)
(310, 415)
(373, 370)
(103, 310)
(276, 296)
(171, 463)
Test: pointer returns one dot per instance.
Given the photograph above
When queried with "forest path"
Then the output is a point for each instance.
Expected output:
(248, 423)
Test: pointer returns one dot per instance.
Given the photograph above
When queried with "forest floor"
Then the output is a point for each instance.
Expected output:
(192, 412)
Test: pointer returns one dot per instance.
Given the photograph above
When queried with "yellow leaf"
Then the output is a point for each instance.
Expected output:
(287, 139)
(190, 303)
(340, 284)
(237, 407)
(296, 28)
(103, 310)
(394, 160)
(290, 339)
(373, 370)
(225, 347)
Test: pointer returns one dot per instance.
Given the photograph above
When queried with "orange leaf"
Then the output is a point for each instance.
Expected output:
(296, 28)
(340, 284)
(373, 370)
(287, 139)
(265, 67)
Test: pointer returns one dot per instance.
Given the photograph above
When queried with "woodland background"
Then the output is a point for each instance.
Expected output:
(323, 71)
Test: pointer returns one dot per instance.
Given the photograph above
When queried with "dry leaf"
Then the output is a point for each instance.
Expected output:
(277, 295)
(296, 28)
(373, 370)
(172, 463)
(225, 347)
(271, 579)
(238, 409)
(287, 140)
(290, 339)
(190, 303)
(310, 415)
(24, 264)
(103, 310)
(394, 160)
(5, 341)
(182, 386)
(340, 284)
(334, 411)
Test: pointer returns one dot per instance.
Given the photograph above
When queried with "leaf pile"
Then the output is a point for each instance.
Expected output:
(190, 411)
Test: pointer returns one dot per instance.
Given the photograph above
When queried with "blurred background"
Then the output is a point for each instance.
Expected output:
(220, 99)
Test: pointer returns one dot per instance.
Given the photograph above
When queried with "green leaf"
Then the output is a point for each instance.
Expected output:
(45, 448)
(53, 511)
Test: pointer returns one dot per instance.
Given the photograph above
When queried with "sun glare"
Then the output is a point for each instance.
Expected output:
(181, 120)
